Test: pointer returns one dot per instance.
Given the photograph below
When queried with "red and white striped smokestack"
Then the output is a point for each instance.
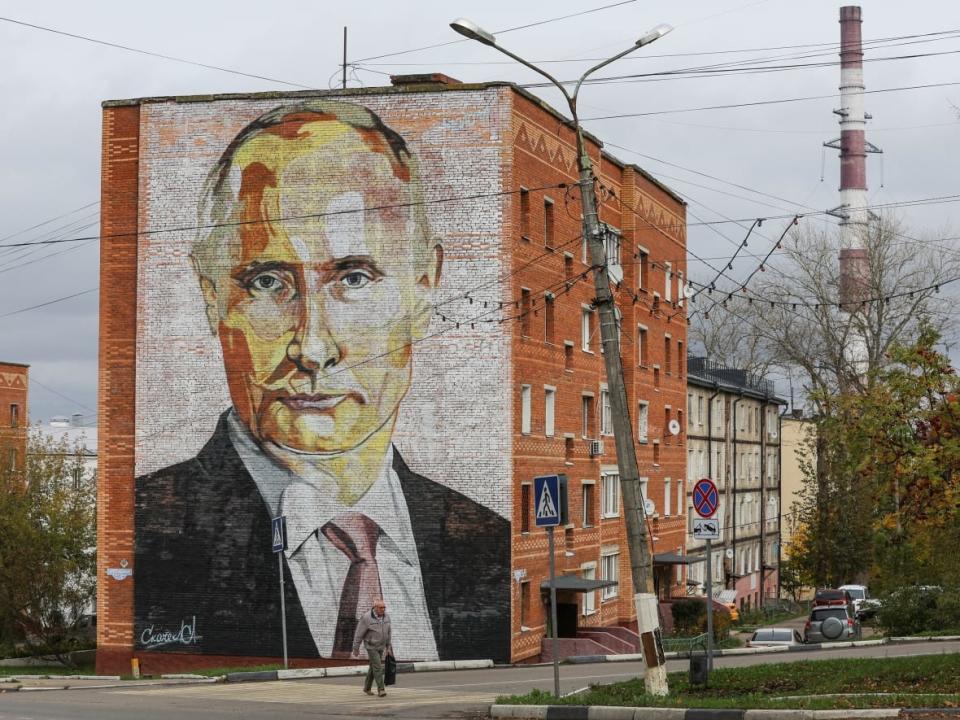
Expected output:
(853, 123)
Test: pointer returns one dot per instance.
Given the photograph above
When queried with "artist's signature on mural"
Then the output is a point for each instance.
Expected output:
(157, 637)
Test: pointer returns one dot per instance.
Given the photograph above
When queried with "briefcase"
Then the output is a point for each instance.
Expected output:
(390, 670)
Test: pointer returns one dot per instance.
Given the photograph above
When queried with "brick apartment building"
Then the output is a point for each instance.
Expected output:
(14, 383)
(507, 380)
(734, 437)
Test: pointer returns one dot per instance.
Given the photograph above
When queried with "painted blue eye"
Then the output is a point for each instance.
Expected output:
(355, 280)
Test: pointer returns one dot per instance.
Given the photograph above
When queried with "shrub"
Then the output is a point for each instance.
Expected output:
(689, 616)
(914, 609)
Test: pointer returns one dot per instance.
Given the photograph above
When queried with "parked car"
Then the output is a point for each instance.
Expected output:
(832, 596)
(831, 623)
(775, 637)
(864, 606)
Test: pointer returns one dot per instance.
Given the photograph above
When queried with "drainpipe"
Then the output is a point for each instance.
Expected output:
(733, 522)
(763, 486)
(710, 440)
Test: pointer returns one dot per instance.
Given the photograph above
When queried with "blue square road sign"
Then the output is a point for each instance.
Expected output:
(546, 498)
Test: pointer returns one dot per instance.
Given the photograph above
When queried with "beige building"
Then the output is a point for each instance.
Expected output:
(793, 443)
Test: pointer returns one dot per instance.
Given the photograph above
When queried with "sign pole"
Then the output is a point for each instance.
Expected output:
(709, 607)
(553, 613)
(283, 611)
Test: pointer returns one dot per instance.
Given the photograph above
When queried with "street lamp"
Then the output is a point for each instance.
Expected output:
(641, 562)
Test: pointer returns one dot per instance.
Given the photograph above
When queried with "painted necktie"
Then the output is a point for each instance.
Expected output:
(355, 535)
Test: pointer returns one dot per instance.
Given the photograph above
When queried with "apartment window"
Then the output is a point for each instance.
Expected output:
(525, 312)
(589, 504)
(589, 572)
(525, 604)
(606, 415)
(549, 404)
(548, 223)
(667, 282)
(656, 377)
(643, 269)
(610, 570)
(667, 359)
(700, 410)
(548, 317)
(525, 508)
(641, 346)
(666, 424)
(610, 487)
(681, 358)
(525, 409)
(586, 414)
(14, 415)
(12, 459)
(567, 266)
(77, 476)
(568, 450)
(611, 246)
(524, 213)
(568, 355)
(586, 327)
(666, 497)
(643, 420)
(680, 496)
(644, 482)
(656, 453)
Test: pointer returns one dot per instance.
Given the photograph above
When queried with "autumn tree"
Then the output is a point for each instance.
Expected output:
(47, 542)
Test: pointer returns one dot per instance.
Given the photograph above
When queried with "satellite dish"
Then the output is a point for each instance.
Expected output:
(649, 507)
(729, 553)
(615, 272)
(773, 434)
(674, 427)
(688, 291)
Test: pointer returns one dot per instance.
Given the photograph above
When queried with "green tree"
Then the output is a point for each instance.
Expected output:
(47, 542)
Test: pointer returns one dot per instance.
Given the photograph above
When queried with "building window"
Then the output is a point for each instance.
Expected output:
(525, 409)
(666, 424)
(680, 496)
(700, 410)
(644, 482)
(12, 459)
(641, 346)
(656, 453)
(656, 377)
(586, 414)
(666, 497)
(568, 450)
(548, 318)
(667, 282)
(525, 604)
(667, 361)
(525, 312)
(586, 328)
(548, 223)
(680, 288)
(589, 503)
(567, 266)
(568, 356)
(606, 415)
(681, 358)
(589, 598)
(77, 476)
(610, 487)
(524, 213)
(525, 508)
(549, 403)
(14, 415)
(611, 246)
(643, 270)
(643, 420)
(610, 570)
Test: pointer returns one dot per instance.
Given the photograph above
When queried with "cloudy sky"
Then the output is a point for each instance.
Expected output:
(52, 86)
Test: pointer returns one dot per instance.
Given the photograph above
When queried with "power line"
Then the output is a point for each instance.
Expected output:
(48, 302)
(47, 222)
(33, 380)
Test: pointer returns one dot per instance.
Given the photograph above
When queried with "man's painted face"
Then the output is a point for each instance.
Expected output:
(318, 313)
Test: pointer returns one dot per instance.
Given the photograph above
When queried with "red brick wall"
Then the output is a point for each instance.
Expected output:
(543, 153)
(14, 383)
(117, 354)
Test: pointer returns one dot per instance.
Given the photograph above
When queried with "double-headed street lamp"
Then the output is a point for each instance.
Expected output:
(641, 561)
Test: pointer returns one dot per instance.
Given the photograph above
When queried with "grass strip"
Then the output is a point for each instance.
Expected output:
(18, 670)
(928, 681)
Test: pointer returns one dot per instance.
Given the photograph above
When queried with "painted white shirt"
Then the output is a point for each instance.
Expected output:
(319, 569)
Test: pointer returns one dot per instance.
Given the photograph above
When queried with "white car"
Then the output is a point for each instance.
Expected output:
(863, 605)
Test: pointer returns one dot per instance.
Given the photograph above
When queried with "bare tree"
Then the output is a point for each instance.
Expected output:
(790, 320)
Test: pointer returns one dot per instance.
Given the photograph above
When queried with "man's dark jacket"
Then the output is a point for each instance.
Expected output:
(203, 552)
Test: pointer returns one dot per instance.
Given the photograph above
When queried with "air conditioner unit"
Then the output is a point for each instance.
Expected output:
(596, 448)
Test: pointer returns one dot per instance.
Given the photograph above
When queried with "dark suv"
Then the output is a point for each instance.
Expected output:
(831, 623)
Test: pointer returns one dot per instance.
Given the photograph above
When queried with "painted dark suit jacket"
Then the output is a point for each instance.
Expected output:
(203, 550)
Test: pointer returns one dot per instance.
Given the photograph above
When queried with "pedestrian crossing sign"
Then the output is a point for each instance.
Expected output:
(279, 533)
(547, 498)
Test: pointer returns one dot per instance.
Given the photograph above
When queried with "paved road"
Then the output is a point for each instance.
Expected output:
(463, 694)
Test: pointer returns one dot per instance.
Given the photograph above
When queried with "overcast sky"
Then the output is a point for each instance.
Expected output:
(52, 87)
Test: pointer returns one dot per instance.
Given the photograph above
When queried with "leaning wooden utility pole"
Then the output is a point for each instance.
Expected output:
(641, 562)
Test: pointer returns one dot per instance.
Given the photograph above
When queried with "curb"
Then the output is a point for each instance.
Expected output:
(356, 670)
(601, 712)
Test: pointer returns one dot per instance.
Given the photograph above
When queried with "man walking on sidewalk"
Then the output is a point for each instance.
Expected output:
(373, 630)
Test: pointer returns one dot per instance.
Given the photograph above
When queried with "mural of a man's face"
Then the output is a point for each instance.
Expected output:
(316, 311)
